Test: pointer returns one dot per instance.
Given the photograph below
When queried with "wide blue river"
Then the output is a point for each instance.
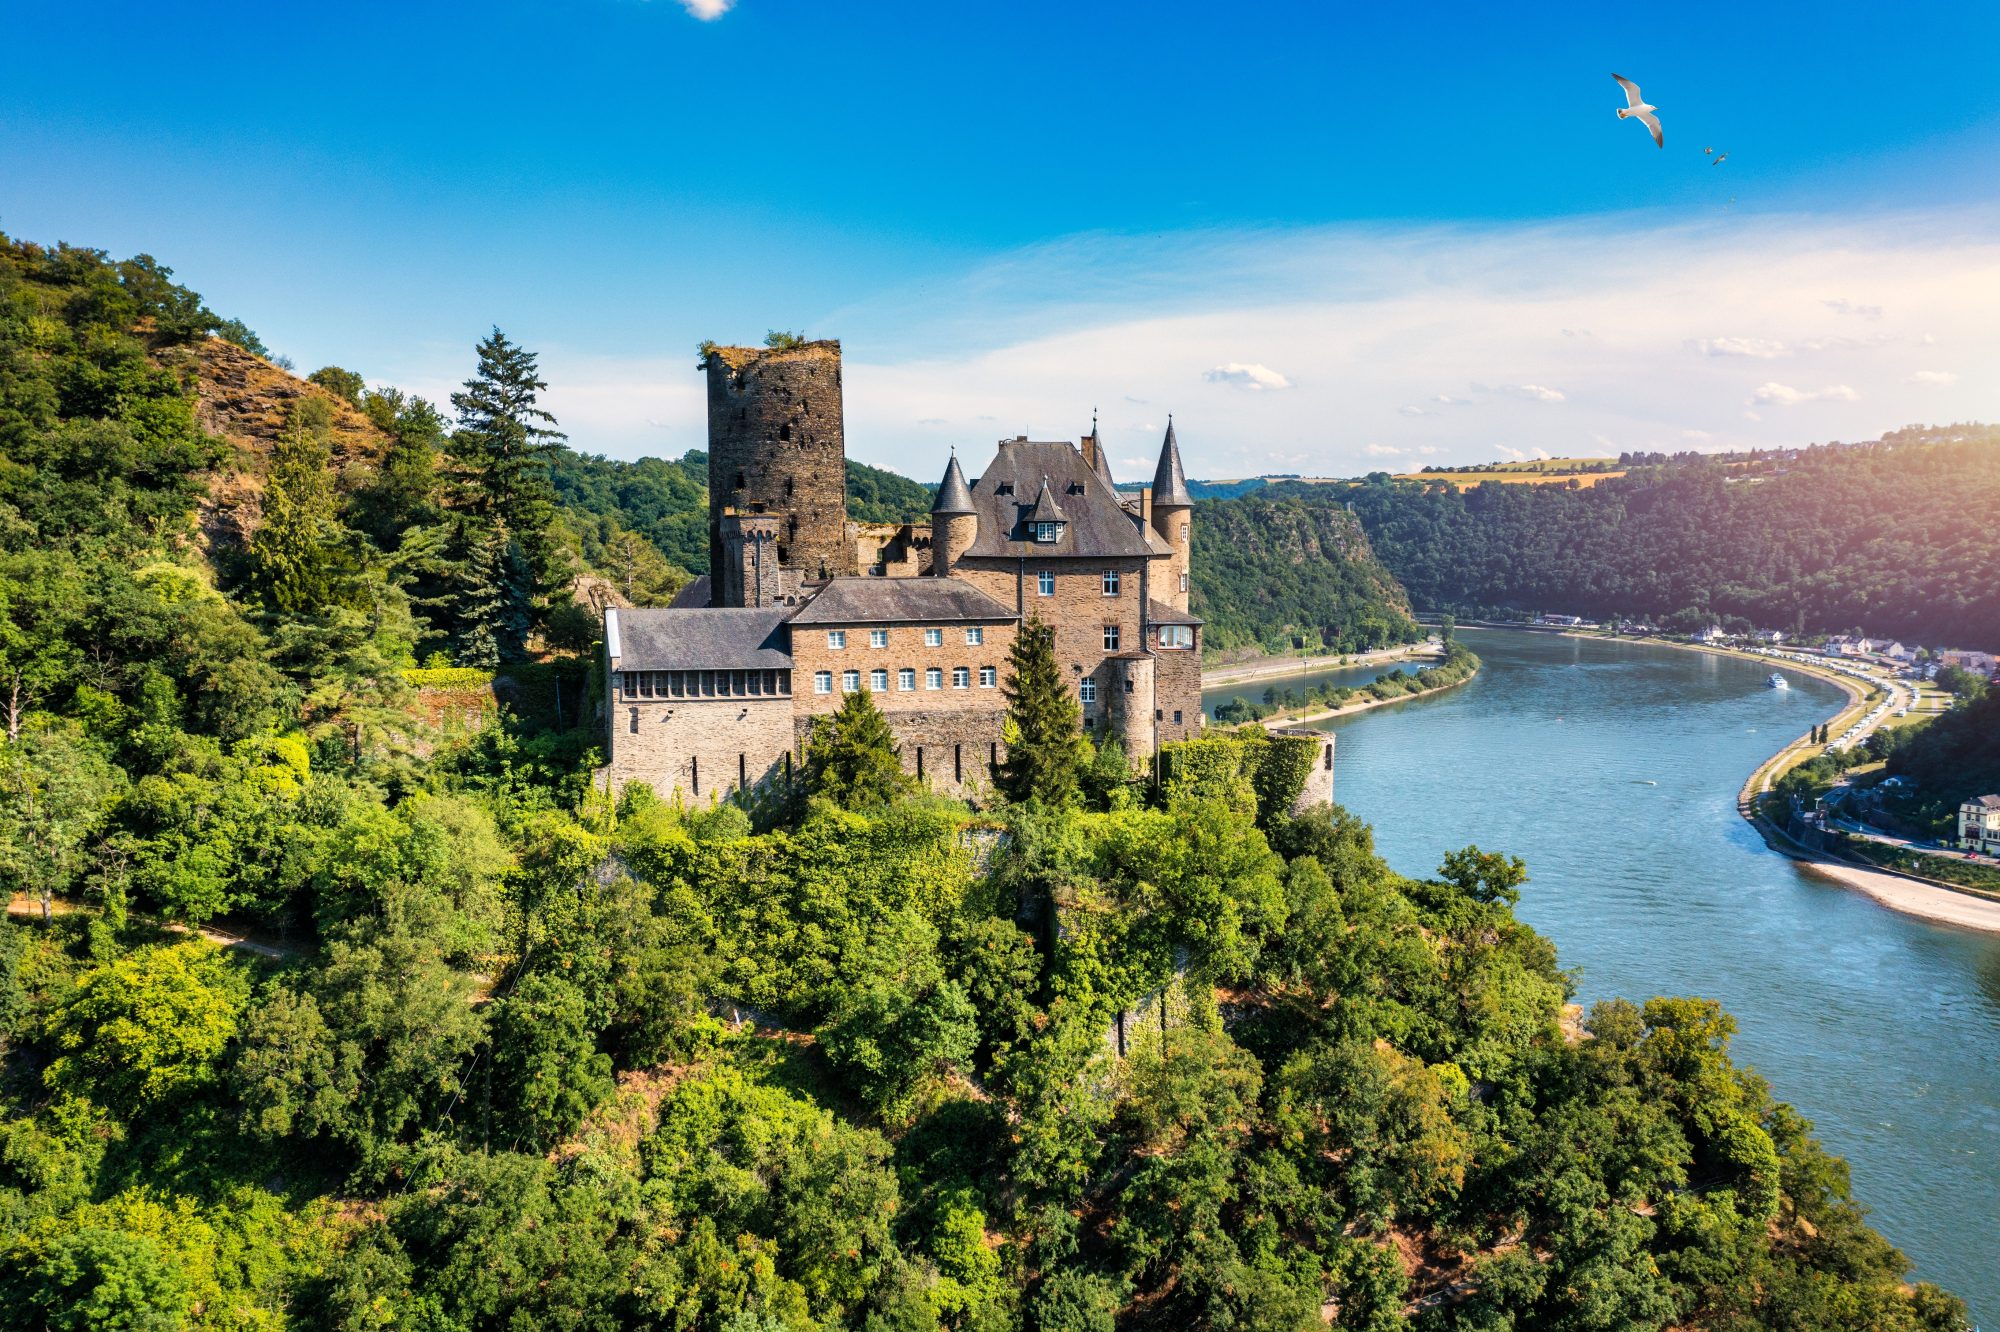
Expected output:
(1613, 769)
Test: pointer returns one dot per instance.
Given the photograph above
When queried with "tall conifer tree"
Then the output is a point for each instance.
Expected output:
(1045, 744)
(503, 448)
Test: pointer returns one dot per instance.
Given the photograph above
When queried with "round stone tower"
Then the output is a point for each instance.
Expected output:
(776, 446)
(953, 522)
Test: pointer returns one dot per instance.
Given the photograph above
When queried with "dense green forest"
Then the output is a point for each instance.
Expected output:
(1896, 538)
(667, 502)
(1285, 574)
(1952, 759)
(313, 1016)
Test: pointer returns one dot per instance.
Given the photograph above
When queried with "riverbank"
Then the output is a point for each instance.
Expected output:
(1362, 705)
(1278, 668)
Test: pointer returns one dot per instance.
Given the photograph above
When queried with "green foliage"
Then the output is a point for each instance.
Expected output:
(300, 549)
(900, 1025)
(1045, 745)
(851, 757)
(147, 1028)
(342, 384)
(1889, 537)
(545, 1058)
(447, 677)
(1291, 574)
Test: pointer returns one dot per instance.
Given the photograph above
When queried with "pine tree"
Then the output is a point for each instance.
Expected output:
(1045, 744)
(300, 549)
(851, 759)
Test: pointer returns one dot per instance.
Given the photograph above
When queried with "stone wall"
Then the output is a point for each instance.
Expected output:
(701, 747)
(1177, 685)
(952, 749)
(776, 445)
(810, 655)
(1078, 609)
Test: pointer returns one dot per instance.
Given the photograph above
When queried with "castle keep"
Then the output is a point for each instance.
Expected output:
(801, 606)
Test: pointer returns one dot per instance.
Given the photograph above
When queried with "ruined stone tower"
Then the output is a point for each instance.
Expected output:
(777, 472)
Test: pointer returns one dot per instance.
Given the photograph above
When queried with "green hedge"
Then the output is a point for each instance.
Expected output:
(448, 677)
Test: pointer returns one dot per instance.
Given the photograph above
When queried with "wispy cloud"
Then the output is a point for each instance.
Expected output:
(708, 10)
(1941, 378)
(1762, 349)
(1373, 320)
(1784, 395)
(1256, 378)
(1847, 307)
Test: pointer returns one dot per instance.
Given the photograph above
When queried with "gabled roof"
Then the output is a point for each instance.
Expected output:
(1160, 613)
(898, 601)
(1046, 509)
(1095, 523)
(1985, 801)
(708, 638)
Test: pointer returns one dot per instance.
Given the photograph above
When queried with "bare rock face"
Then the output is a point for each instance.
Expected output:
(247, 402)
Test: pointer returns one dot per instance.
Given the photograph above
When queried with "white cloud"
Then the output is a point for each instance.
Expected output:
(1784, 395)
(1413, 410)
(1256, 378)
(1848, 307)
(1384, 451)
(1763, 349)
(1939, 377)
(1539, 393)
(1696, 436)
(708, 10)
(1371, 319)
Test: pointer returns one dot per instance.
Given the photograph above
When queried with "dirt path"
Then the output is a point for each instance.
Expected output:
(31, 909)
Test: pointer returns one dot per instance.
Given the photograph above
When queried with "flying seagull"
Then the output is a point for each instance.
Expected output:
(1639, 109)
(1719, 159)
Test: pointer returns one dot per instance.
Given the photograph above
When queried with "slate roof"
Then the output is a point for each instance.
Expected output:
(953, 496)
(898, 601)
(1169, 484)
(1095, 523)
(695, 594)
(1157, 613)
(1985, 802)
(1046, 509)
(708, 638)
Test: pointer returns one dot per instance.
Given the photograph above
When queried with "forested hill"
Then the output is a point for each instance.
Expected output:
(1291, 573)
(475, 1066)
(1898, 539)
(667, 501)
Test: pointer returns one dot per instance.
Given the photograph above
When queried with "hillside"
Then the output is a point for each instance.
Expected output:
(1896, 538)
(1291, 573)
(312, 1017)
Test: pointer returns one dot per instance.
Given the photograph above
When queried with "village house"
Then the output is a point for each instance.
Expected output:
(802, 608)
(1979, 825)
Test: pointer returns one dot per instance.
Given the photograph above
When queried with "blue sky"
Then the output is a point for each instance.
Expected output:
(1327, 236)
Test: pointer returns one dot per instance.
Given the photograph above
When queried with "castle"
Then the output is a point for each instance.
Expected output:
(717, 692)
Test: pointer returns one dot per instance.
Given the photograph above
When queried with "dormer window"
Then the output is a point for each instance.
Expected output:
(1048, 532)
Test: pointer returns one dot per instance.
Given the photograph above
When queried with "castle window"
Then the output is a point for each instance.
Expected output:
(739, 480)
(1110, 638)
(836, 638)
(958, 763)
(988, 677)
(850, 682)
(974, 637)
(878, 638)
(742, 771)
(906, 678)
(1003, 488)
(756, 681)
(785, 432)
(1183, 582)
(878, 680)
(1047, 532)
(1176, 636)
(961, 677)
(822, 682)
(1110, 582)
(933, 678)
(708, 684)
(1177, 716)
(1087, 691)
(694, 774)
(635, 721)
(1184, 532)
(1045, 583)
(933, 638)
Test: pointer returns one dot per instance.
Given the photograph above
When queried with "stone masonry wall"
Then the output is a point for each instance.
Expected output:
(1078, 609)
(952, 748)
(776, 440)
(810, 655)
(703, 748)
(1177, 686)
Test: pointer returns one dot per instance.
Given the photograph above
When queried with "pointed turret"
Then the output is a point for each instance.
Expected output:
(1046, 509)
(1169, 482)
(1172, 514)
(954, 522)
(953, 495)
(1093, 453)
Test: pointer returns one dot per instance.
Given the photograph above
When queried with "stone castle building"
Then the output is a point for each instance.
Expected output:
(802, 607)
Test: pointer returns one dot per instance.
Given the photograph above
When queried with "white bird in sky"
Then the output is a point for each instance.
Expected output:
(1639, 109)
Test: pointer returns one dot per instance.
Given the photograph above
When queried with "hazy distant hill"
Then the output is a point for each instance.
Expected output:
(1898, 537)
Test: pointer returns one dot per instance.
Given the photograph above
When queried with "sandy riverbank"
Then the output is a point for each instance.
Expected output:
(1277, 668)
(1940, 905)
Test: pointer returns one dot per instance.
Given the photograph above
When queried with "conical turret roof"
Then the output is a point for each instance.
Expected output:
(1099, 463)
(953, 495)
(1046, 509)
(1169, 482)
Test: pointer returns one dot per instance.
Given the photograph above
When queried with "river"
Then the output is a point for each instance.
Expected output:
(1613, 769)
